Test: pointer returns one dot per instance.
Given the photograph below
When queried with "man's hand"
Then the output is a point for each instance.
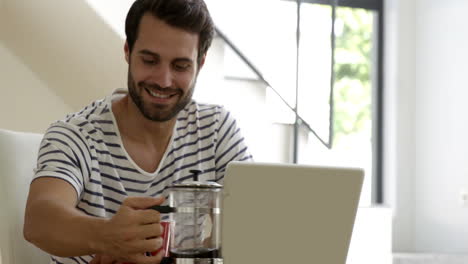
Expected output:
(133, 231)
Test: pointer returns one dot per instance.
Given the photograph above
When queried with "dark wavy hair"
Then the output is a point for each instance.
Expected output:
(190, 15)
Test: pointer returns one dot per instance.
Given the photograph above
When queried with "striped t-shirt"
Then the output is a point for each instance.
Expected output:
(85, 149)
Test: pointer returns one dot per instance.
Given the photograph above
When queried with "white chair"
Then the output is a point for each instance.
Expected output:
(18, 154)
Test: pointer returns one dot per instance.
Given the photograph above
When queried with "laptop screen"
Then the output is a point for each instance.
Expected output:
(279, 213)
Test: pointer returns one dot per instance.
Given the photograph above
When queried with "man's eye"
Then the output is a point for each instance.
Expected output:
(182, 67)
(149, 62)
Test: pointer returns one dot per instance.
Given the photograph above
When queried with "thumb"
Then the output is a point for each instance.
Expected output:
(142, 202)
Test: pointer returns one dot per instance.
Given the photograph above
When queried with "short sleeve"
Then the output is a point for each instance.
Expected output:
(62, 155)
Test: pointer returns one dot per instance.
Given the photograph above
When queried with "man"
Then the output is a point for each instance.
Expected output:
(101, 168)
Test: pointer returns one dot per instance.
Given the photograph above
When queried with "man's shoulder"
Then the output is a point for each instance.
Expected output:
(93, 116)
(97, 110)
(201, 111)
(199, 120)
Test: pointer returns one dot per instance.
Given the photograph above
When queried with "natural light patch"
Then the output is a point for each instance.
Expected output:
(267, 37)
(113, 13)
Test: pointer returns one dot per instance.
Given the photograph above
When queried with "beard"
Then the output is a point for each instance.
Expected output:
(158, 112)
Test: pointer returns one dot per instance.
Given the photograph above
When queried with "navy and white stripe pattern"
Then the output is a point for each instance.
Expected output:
(85, 149)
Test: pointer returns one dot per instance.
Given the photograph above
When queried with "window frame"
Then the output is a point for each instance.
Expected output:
(377, 189)
(377, 195)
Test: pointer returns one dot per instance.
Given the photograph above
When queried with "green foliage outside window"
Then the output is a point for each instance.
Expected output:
(352, 95)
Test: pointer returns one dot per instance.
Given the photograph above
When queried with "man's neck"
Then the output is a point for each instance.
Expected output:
(137, 128)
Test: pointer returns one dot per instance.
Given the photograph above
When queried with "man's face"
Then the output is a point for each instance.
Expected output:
(162, 69)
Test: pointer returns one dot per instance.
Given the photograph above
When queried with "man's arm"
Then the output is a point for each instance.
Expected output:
(53, 224)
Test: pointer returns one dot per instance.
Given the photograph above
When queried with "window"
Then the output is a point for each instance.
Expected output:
(309, 75)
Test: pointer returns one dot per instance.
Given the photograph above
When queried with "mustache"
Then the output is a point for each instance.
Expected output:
(157, 87)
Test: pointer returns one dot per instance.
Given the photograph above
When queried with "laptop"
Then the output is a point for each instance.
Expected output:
(284, 213)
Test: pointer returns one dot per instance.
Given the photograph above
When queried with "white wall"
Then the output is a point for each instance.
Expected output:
(441, 144)
(399, 98)
(26, 103)
(426, 144)
(55, 58)
(68, 45)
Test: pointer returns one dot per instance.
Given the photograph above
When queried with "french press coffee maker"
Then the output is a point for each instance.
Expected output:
(195, 221)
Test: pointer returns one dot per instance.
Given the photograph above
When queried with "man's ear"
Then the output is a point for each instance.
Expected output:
(127, 52)
(202, 62)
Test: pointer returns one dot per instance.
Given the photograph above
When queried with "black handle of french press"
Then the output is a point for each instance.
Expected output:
(163, 209)
(195, 174)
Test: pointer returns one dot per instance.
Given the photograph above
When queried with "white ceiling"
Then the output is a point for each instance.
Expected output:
(74, 51)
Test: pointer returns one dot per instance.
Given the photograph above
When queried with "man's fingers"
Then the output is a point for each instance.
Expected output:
(149, 231)
(142, 202)
(146, 245)
(148, 216)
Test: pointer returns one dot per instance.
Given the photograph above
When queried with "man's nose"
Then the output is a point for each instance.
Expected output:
(163, 76)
